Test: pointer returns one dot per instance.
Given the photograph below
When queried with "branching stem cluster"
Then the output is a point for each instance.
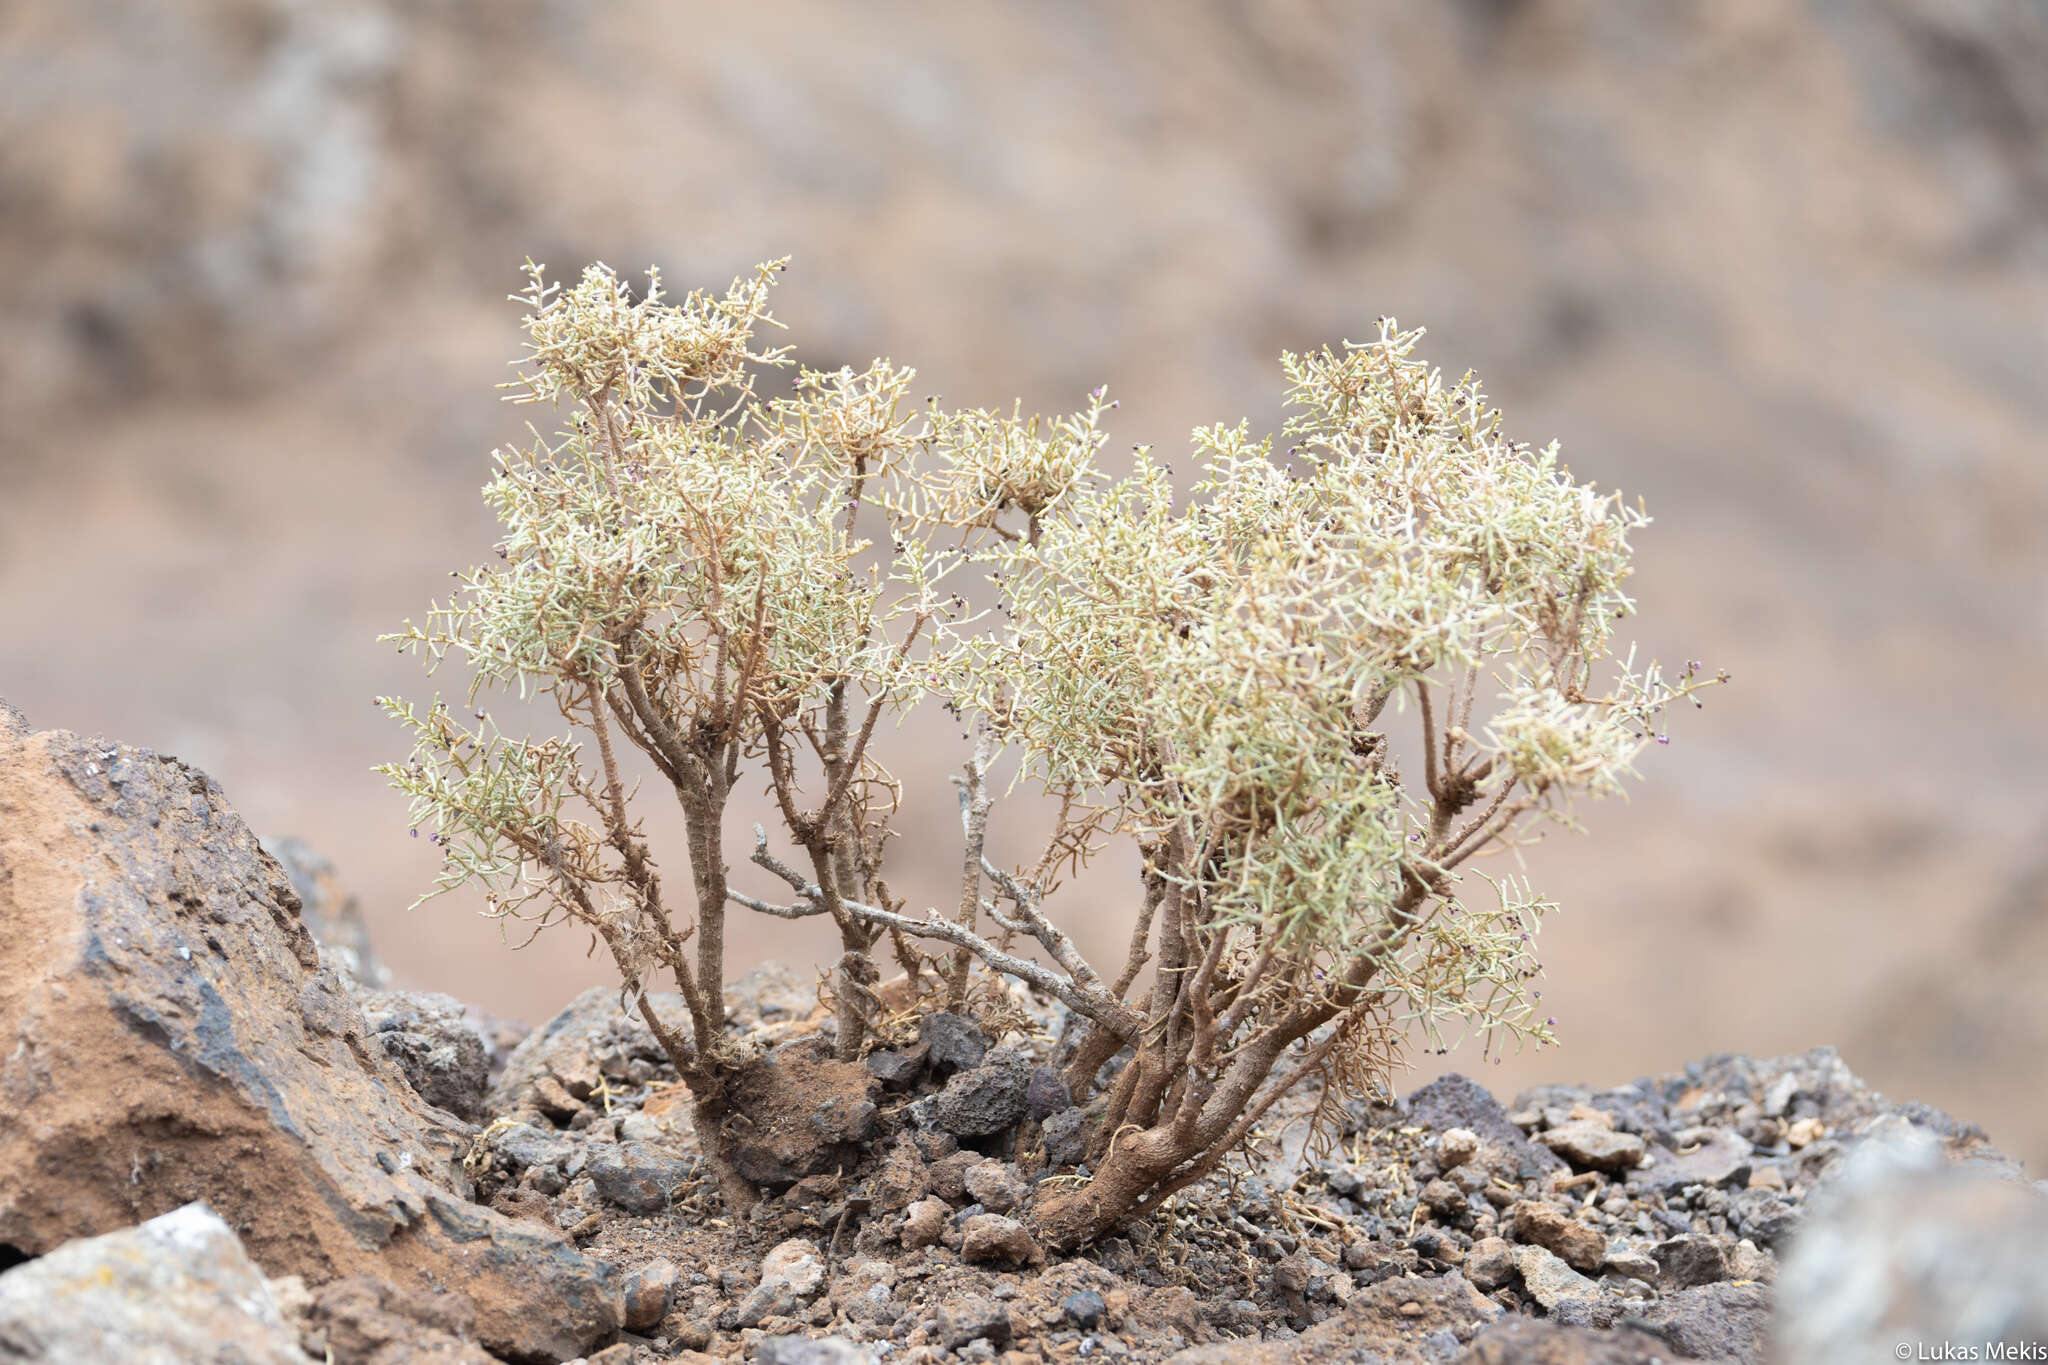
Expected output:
(1215, 677)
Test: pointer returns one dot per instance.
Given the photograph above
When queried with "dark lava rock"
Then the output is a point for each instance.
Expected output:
(1083, 1309)
(1724, 1159)
(522, 1145)
(1065, 1136)
(440, 1051)
(1691, 1259)
(1047, 1094)
(1763, 1217)
(954, 1042)
(636, 1176)
(897, 1071)
(1725, 1321)
(1455, 1101)
(984, 1102)
(972, 1318)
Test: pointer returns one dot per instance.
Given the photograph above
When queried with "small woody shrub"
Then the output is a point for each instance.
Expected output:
(1312, 691)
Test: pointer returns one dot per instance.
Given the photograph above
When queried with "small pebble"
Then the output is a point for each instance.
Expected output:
(1084, 1309)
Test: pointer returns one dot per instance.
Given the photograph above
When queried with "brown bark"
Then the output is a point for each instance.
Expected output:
(1097, 1046)
(709, 1109)
(1134, 1170)
(1077, 1217)
(853, 991)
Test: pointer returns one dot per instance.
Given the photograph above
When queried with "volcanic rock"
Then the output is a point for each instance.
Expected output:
(1549, 1280)
(367, 1320)
(1899, 1245)
(953, 1043)
(1592, 1146)
(1456, 1101)
(1691, 1259)
(179, 1287)
(983, 1102)
(992, 1237)
(636, 1176)
(442, 1053)
(173, 1036)
(807, 1114)
(1544, 1225)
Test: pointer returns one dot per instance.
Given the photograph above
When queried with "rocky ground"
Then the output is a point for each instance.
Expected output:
(228, 1140)
(1779, 267)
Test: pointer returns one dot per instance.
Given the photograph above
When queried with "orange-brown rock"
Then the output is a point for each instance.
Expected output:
(168, 1034)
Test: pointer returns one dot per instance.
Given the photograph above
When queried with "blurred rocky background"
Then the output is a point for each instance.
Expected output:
(1781, 268)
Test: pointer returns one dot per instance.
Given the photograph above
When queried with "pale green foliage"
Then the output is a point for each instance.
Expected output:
(703, 544)
(1217, 668)
(596, 339)
(988, 464)
(1210, 674)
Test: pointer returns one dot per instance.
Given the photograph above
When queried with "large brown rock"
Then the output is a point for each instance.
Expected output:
(168, 1034)
(808, 1113)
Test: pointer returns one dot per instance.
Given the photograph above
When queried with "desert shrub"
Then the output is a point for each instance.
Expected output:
(1311, 689)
